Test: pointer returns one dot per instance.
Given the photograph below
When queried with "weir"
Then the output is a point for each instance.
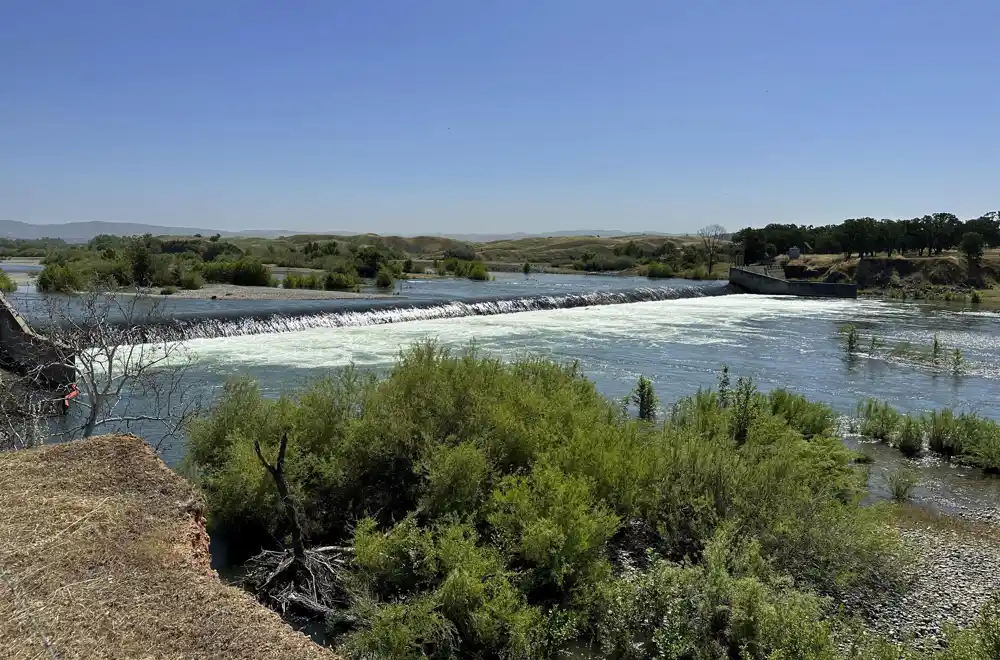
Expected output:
(770, 280)
(380, 312)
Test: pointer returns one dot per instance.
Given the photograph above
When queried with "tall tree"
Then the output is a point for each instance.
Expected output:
(711, 240)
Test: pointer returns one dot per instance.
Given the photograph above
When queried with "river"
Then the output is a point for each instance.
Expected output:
(680, 342)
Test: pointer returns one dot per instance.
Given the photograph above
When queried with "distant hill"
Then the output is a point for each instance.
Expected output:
(81, 232)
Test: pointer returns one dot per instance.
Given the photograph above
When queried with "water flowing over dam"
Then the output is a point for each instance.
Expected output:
(380, 312)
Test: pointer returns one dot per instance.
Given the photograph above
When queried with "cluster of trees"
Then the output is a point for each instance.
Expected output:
(147, 261)
(930, 234)
(491, 509)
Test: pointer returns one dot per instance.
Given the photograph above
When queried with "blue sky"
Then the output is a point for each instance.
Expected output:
(497, 116)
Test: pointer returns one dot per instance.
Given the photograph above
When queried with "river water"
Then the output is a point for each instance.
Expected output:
(679, 343)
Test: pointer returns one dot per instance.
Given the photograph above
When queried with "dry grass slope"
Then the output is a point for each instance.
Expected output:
(103, 554)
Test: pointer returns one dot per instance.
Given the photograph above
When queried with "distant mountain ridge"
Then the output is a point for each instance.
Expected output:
(81, 232)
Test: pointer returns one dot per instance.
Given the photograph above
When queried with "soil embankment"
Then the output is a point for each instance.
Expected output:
(901, 277)
(104, 554)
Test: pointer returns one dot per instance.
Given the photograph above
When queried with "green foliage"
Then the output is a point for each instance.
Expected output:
(7, 285)
(526, 268)
(191, 280)
(645, 399)
(384, 278)
(408, 266)
(879, 420)
(852, 338)
(975, 298)
(243, 272)
(901, 483)
(658, 270)
(336, 281)
(936, 351)
(909, 438)
(60, 278)
(971, 247)
(168, 291)
(731, 606)
(808, 418)
(488, 501)
(943, 436)
(306, 281)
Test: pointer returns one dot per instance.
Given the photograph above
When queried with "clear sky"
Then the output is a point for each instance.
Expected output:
(462, 116)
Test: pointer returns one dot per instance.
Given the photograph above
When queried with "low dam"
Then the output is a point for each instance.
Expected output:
(770, 280)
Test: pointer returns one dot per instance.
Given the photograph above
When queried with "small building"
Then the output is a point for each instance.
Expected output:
(794, 252)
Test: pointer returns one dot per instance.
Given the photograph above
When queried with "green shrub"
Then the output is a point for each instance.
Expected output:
(59, 278)
(851, 337)
(943, 435)
(191, 280)
(901, 483)
(384, 279)
(7, 285)
(478, 272)
(879, 420)
(306, 281)
(909, 438)
(486, 501)
(242, 272)
(340, 282)
(168, 291)
(808, 418)
(645, 399)
(657, 270)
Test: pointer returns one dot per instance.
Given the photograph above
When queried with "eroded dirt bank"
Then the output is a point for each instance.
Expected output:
(104, 554)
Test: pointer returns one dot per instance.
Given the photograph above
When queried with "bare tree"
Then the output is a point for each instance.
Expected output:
(712, 238)
(128, 378)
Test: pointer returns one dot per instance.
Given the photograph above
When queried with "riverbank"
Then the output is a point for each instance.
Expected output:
(942, 278)
(104, 554)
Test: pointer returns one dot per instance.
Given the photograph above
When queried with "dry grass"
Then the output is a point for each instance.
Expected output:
(103, 554)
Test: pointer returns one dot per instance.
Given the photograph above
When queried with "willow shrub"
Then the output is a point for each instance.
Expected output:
(495, 508)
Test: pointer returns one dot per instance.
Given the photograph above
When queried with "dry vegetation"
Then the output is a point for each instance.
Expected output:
(103, 555)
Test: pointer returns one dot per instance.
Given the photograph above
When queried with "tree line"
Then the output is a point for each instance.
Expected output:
(928, 235)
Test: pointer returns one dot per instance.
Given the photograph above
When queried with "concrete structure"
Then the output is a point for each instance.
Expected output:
(24, 351)
(762, 280)
(794, 252)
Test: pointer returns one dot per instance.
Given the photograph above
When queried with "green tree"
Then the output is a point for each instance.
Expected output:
(645, 399)
(972, 247)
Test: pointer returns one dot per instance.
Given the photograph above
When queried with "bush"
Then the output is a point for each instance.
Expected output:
(59, 278)
(191, 280)
(901, 483)
(478, 272)
(168, 291)
(340, 282)
(308, 281)
(942, 433)
(488, 500)
(242, 272)
(910, 436)
(657, 270)
(879, 420)
(384, 279)
(7, 285)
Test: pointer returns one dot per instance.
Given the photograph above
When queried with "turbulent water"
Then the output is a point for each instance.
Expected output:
(381, 313)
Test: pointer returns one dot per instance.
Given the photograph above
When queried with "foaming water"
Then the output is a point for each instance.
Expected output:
(381, 313)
